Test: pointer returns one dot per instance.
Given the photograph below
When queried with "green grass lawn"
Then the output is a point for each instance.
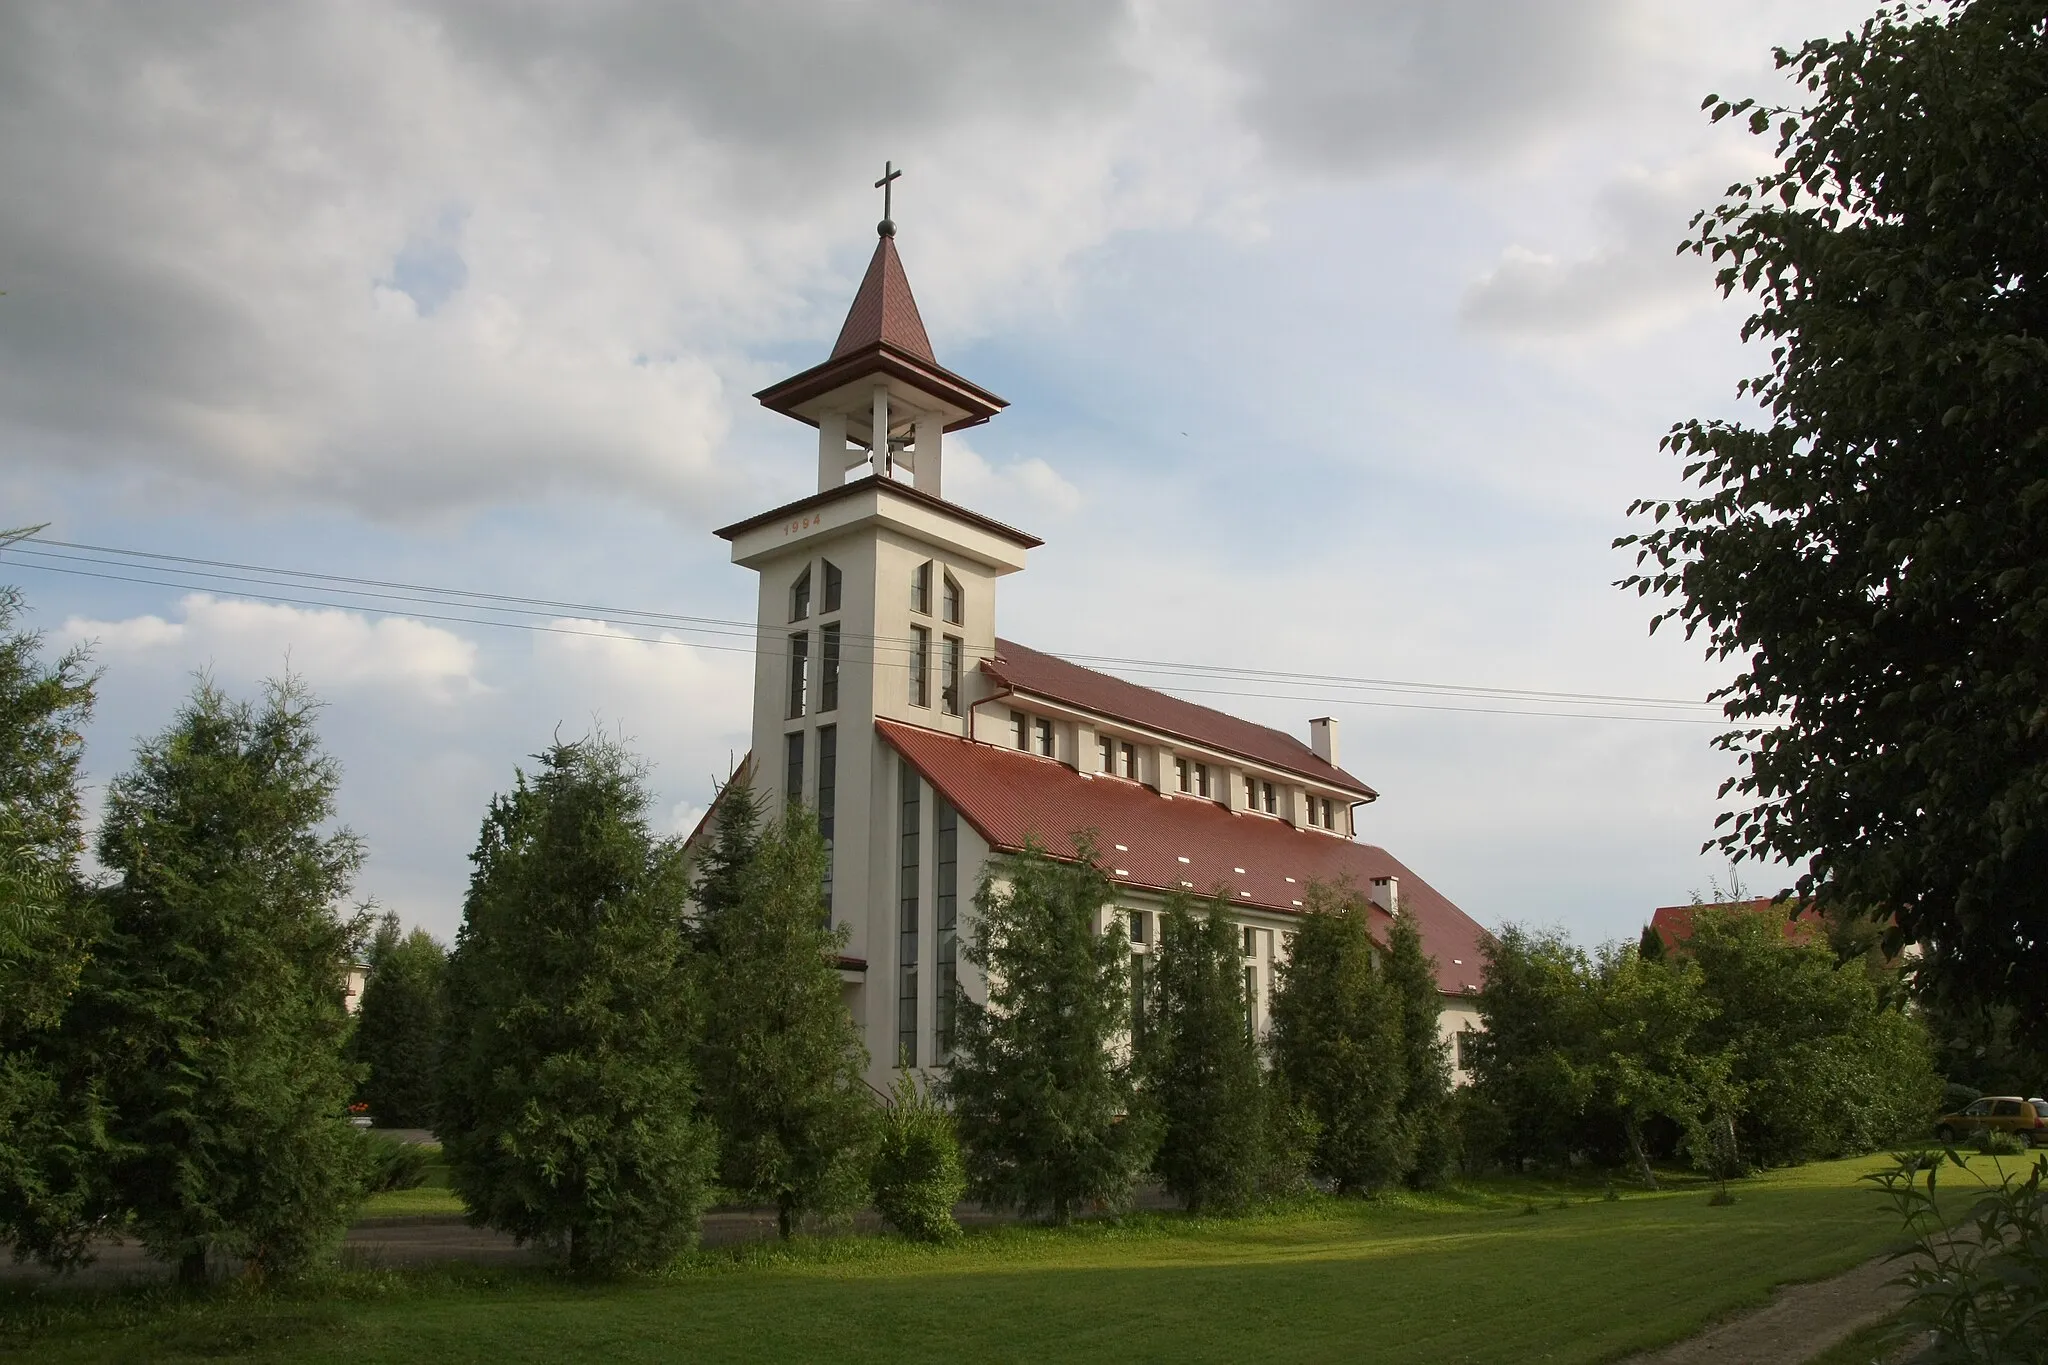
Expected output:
(1470, 1276)
(430, 1198)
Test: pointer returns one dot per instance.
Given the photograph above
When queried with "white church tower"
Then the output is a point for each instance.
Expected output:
(877, 602)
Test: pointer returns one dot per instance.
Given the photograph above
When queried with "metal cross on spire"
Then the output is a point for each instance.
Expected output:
(886, 185)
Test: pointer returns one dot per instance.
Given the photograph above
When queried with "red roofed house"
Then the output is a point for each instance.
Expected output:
(1673, 923)
(884, 699)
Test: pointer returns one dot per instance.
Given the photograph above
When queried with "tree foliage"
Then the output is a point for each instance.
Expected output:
(52, 1147)
(1044, 1099)
(1199, 1063)
(1874, 550)
(1738, 1033)
(721, 870)
(567, 1090)
(1336, 1039)
(1431, 1136)
(212, 1008)
(398, 1026)
(781, 1057)
(918, 1175)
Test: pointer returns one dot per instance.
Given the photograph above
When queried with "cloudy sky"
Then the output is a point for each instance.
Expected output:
(1338, 337)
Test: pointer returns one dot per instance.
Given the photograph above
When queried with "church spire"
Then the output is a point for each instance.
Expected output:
(882, 389)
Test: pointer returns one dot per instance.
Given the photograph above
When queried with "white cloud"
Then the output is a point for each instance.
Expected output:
(1635, 281)
(1026, 488)
(333, 650)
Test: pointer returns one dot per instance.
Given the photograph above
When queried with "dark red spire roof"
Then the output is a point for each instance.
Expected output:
(883, 312)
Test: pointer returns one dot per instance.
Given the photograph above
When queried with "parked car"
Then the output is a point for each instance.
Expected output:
(2025, 1119)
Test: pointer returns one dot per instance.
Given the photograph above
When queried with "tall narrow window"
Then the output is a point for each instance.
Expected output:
(831, 586)
(949, 674)
(1251, 794)
(1202, 780)
(950, 602)
(1272, 803)
(828, 666)
(800, 596)
(799, 671)
(946, 895)
(906, 922)
(793, 768)
(1137, 923)
(1020, 730)
(1127, 755)
(1045, 736)
(920, 666)
(1251, 1004)
(1248, 941)
(921, 589)
(1139, 962)
(1105, 747)
(1183, 775)
(828, 802)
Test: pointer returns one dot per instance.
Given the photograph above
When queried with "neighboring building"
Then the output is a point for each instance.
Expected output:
(352, 982)
(1673, 923)
(884, 699)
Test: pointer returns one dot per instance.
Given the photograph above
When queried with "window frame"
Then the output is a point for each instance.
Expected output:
(799, 675)
(800, 597)
(921, 589)
(952, 650)
(952, 599)
(920, 666)
(834, 594)
(828, 666)
(1044, 737)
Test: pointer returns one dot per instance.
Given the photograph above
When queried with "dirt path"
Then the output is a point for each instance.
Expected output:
(1799, 1322)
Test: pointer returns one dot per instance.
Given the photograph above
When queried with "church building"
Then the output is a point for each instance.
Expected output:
(926, 743)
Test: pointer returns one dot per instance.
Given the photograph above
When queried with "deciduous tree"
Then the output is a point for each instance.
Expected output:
(1873, 550)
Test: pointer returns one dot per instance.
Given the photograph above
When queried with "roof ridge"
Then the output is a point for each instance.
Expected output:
(1126, 682)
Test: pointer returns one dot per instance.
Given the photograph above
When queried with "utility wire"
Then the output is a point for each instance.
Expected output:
(233, 579)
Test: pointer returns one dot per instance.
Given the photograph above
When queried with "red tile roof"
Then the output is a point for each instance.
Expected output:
(883, 311)
(1673, 923)
(1009, 796)
(1046, 675)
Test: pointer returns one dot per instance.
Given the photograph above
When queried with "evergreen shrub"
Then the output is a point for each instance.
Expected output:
(918, 1175)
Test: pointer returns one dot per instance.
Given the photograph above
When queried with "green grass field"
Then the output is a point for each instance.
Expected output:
(1469, 1276)
(430, 1198)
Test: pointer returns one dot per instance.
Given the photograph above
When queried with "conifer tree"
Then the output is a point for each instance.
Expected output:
(1425, 1056)
(1044, 1100)
(52, 1155)
(782, 1060)
(1199, 1062)
(213, 1008)
(398, 1026)
(721, 869)
(567, 1093)
(1336, 1037)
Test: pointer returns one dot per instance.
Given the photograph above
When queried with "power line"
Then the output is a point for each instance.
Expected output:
(234, 579)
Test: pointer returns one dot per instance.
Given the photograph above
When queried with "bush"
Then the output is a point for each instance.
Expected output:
(918, 1174)
(1984, 1294)
(1991, 1142)
(393, 1165)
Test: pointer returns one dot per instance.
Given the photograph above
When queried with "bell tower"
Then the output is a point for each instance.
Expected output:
(877, 601)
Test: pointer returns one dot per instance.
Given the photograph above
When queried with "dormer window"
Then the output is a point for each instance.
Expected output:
(832, 584)
(921, 589)
(800, 596)
(1020, 730)
(1183, 775)
(1044, 735)
(950, 601)
(1270, 799)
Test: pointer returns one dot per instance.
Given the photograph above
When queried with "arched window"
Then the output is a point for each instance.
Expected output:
(950, 603)
(921, 589)
(800, 596)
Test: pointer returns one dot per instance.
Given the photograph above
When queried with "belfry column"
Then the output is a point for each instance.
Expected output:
(880, 428)
(831, 450)
(930, 432)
